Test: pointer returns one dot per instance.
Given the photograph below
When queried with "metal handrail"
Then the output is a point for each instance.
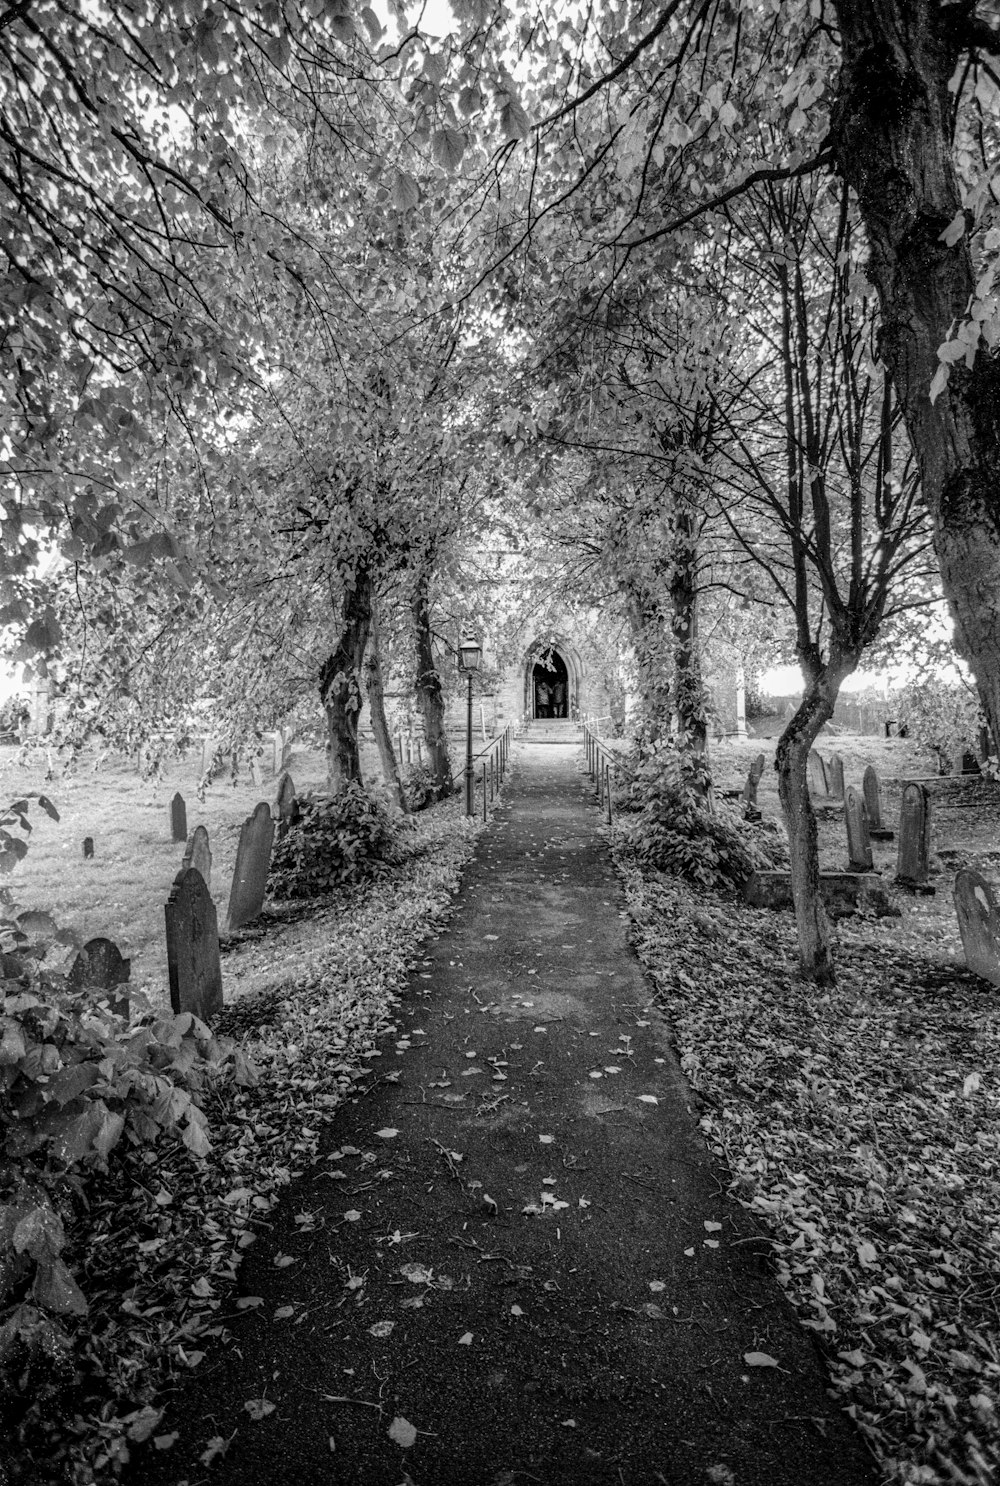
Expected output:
(499, 749)
(599, 767)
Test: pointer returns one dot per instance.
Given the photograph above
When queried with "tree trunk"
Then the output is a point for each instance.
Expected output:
(430, 700)
(651, 647)
(689, 694)
(340, 684)
(891, 128)
(816, 708)
(376, 702)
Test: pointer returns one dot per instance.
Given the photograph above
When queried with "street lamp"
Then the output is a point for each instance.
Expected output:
(470, 655)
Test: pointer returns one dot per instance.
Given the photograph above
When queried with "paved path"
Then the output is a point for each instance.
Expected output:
(546, 1278)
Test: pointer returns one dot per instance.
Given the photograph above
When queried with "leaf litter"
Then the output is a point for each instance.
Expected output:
(861, 1125)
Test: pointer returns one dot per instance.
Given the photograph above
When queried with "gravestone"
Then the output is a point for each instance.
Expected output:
(979, 924)
(286, 805)
(816, 774)
(877, 828)
(193, 964)
(178, 818)
(843, 893)
(913, 862)
(253, 858)
(199, 854)
(965, 762)
(285, 758)
(835, 776)
(751, 810)
(88, 848)
(101, 965)
(859, 846)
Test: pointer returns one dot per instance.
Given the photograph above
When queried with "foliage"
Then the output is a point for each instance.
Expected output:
(944, 718)
(674, 829)
(337, 840)
(78, 1090)
(419, 787)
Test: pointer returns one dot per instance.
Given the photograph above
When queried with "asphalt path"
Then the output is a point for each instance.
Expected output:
(515, 1260)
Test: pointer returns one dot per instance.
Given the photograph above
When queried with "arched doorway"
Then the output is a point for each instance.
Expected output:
(550, 686)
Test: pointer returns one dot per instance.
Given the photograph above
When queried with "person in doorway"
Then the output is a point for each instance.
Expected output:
(559, 699)
(544, 699)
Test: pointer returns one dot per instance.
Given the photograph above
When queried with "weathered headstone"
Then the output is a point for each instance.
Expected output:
(751, 811)
(979, 924)
(101, 965)
(199, 854)
(193, 964)
(965, 762)
(877, 828)
(253, 858)
(913, 862)
(178, 818)
(835, 776)
(88, 848)
(286, 805)
(859, 845)
(285, 758)
(816, 774)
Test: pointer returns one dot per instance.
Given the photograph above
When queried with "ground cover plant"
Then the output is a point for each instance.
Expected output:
(142, 1231)
(861, 1123)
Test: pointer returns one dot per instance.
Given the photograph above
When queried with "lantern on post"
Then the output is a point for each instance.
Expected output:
(470, 656)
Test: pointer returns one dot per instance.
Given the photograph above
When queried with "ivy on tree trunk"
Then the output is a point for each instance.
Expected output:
(427, 686)
(340, 683)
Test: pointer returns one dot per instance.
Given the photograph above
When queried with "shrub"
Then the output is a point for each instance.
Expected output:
(337, 840)
(673, 829)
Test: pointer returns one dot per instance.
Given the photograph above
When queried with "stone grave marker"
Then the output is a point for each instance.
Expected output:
(88, 848)
(877, 829)
(751, 810)
(178, 818)
(816, 774)
(253, 858)
(199, 854)
(859, 845)
(835, 776)
(101, 965)
(193, 964)
(286, 805)
(979, 924)
(913, 861)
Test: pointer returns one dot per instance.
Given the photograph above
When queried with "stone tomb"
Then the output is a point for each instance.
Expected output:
(835, 776)
(199, 854)
(101, 966)
(843, 893)
(979, 924)
(872, 790)
(286, 805)
(253, 858)
(816, 774)
(913, 861)
(859, 845)
(193, 964)
(751, 810)
(178, 819)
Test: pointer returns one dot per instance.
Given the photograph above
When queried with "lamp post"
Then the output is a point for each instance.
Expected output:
(470, 654)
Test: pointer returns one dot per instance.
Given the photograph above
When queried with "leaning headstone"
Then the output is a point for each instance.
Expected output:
(100, 965)
(859, 845)
(877, 828)
(835, 775)
(199, 854)
(913, 862)
(816, 774)
(979, 924)
(178, 818)
(286, 805)
(253, 858)
(88, 848)
(751, 810)
(193, 964)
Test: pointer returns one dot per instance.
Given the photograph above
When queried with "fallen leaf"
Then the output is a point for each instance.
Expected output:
(546, 1139)
(711, 1227)
(259, 1408)
(164, 1441)
(216, 1447)
(381, 1328)
(465, 1340)
(282, 1261)
(387, 1134)
(283, 1312)
(516, 1310)
(647, 1099)
(656, 1286)
(759, 1359)
(402, 1432)
(249, 1302)
(352, 1216)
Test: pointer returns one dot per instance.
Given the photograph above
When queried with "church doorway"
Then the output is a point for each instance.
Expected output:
(550, 686)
